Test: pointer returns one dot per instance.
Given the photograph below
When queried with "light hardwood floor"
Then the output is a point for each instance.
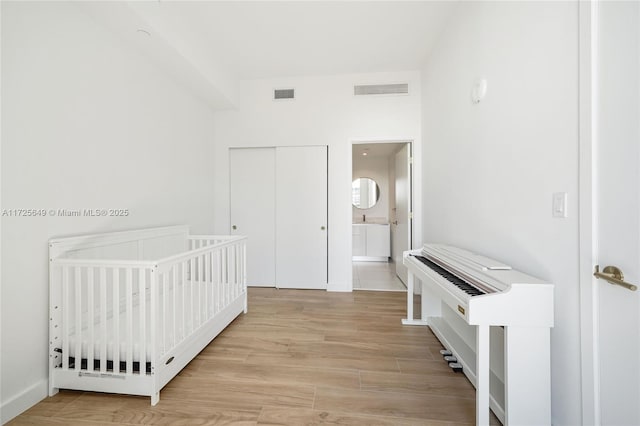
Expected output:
(299, 357)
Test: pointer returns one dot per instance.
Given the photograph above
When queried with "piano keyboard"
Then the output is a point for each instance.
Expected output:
(461, 284)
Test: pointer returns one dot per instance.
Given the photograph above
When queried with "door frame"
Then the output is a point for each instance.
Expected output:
(414, 195)
(587, 215)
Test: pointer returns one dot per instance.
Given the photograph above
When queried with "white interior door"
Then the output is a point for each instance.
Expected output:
(252, 206)
(616, 212)
(402, 225)
(301, 218)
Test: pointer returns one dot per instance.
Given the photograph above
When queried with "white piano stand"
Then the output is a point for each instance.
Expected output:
(423, 306)
(526, 370)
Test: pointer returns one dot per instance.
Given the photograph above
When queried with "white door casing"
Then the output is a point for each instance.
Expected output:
(252, 209)
(402, 225)
(610, 210)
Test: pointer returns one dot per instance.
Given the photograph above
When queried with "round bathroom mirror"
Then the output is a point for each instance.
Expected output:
(365, 193)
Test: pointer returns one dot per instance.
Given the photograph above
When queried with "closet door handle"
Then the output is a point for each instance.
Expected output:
(322, 228)
(234, 227)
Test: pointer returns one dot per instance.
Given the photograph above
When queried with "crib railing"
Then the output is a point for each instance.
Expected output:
(199, 241)
(205, 280)
(115, 318)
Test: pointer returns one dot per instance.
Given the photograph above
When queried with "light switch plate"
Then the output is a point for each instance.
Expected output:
(559, 204)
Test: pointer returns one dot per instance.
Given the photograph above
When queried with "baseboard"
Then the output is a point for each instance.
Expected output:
(23, 401)
(340, 287)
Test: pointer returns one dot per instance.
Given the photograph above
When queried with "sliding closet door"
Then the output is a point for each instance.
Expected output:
(301, 217)
(252, 205)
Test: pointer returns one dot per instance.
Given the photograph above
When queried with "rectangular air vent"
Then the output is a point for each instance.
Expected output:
(284, 94)
(381, 89)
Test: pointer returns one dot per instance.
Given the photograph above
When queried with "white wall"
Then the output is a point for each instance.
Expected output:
(376, 168)
(490, 169)
(87, 123)
(325, 112)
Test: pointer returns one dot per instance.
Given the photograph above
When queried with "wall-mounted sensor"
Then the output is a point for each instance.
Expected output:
(479, 90)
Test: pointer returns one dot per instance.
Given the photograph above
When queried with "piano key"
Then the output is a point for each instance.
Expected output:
(453, 279)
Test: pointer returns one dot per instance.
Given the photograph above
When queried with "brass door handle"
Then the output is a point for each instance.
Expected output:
(614, 275)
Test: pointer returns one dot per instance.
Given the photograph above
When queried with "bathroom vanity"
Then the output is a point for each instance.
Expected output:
(371, 242)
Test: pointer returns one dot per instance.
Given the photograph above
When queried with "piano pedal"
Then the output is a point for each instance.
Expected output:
(450, 358)
(445, 352)
(456, 367)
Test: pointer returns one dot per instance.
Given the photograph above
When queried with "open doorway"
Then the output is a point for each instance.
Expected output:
(381, 214)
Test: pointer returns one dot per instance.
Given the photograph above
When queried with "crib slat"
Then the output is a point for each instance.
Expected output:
(229, 274)
(236, 293)
(103, 320)
(236, 271)
(233, 265)
(184, 298)
(163, 318)
(218, 280)
(65, 317)
(91, 319)
(116, 319)
(192, 271)
(244, 274)
(174, 273)
(77, 302)
(207, 285)
(129, 325)
(142, 297)
(200, 282)
(225, 279)
(153, 321)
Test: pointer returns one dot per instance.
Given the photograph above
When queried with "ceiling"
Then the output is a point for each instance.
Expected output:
(376, 150)
(268, 39)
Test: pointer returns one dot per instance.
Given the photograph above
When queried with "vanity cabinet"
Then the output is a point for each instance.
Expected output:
(371, 242)
(359, 241)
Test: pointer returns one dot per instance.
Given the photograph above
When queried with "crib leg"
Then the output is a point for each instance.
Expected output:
(155, 398)
(53, 391)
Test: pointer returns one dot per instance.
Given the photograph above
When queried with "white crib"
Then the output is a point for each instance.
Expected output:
(128, 310)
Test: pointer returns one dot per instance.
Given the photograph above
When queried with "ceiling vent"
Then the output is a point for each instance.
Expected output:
(381, 89)
(279, 94)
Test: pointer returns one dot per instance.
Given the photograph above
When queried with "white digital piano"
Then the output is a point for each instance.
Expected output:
(466, 298)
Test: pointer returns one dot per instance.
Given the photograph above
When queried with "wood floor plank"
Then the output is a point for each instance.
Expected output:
(28, 420)
(324, 360)
(412, 338)
(237, 395)
(446, 385)
(252, 373)
(361, 349)
(298, 357)
(183, 412)
(49, 407)
(397, 404)
(273, 416)
(291, 334)
(424, 366)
